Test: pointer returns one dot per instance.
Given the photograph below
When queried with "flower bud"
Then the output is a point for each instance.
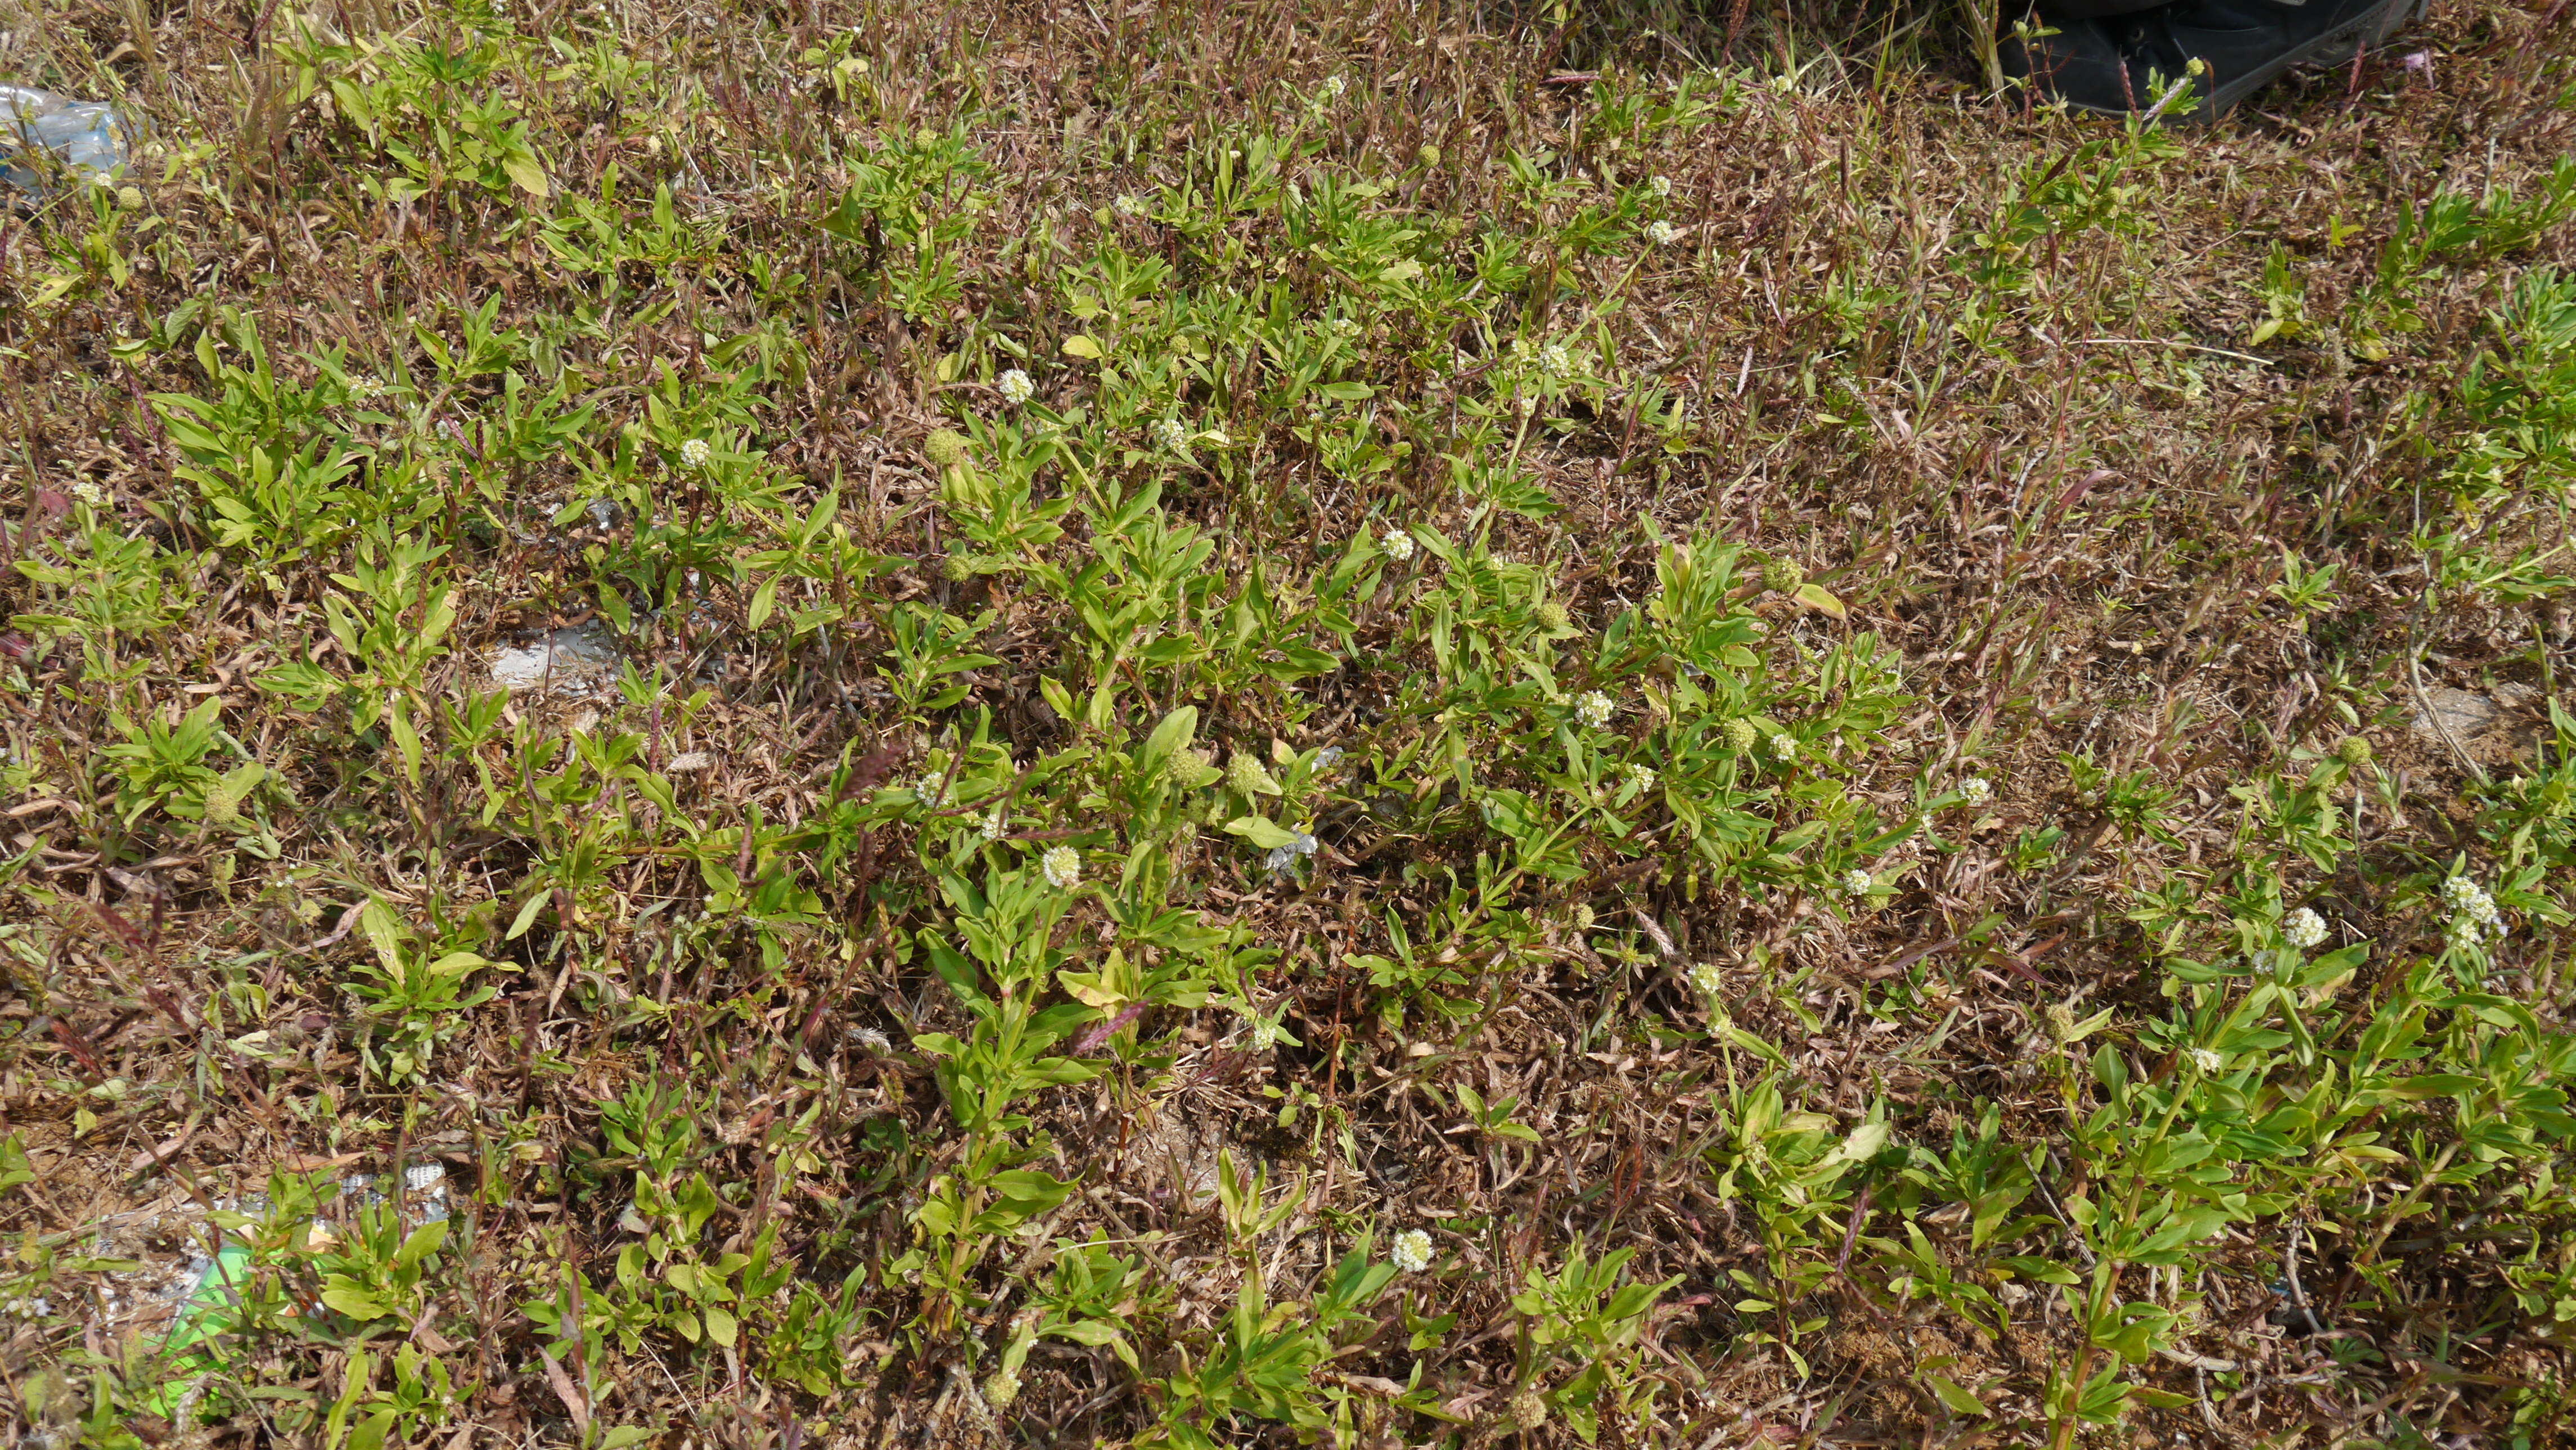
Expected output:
(945, 448)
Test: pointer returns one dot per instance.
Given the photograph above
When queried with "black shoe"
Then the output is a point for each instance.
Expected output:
(2116, 66)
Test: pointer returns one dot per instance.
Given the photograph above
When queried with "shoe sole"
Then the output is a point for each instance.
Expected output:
(2332, 48)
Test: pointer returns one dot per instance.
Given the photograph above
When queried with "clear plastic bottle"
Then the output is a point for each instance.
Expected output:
(85, 139)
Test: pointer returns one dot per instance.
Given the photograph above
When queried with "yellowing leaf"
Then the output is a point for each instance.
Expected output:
(1820, 599)
(525, 171)
(1081, 345)
(1085, 987)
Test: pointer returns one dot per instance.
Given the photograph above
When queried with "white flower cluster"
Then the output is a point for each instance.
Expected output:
(2303, 928)
(694, 453)
(1170, 435)
(1662, 233)
(1411, 1251)
(1976, 790)
(1397, 544)
(1594, 709)
(2473, 912)
(1327, 758)
(1063, 867)
(1334, 86)
(2205, 1060)
(1129, 204)
(1708, 979)
(1783, 747)
(1556, 360)
(1642, 777)
(1015, 387)
(1661, 186)
(1857, 882)
(365, 386)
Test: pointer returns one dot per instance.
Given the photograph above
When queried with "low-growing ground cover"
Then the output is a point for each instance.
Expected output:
(1334, 722)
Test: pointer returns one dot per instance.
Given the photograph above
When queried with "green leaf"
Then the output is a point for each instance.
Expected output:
(1030, 1191)
(720, 1326)
(1260, 831)
(423, 1242)
(1169, 738)
(2436, 1085)
(2046, 1271)
(14, 1168)
(355, 1302)
(1955, 1395)
(371, 1432)
(527, 915)
(1081, 345)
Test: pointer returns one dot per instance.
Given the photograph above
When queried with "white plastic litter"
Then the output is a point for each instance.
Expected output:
(572, 662)
(86, 140)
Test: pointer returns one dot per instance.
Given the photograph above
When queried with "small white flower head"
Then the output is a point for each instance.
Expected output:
(1662, 233)
(1063, 867)
(365, 386)
(1642, 777)
(2303, 928)
(1265, 1034)
(1661, 186)
(1976, 790)
(2205, 1060)
(694, 453)
(89, 491)
(1327, 758)
(1130, 204)
(1344, 327)
(1708, 979)
(1015, 387)
(1170, 435)
(991, 829)
(1594, 709)
(1556, 360)
(1411, 1251)
(2473, 911)
(1397, 543)
(932, 789)
(1857, 883)
(1783, 747)
(1334, 86)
